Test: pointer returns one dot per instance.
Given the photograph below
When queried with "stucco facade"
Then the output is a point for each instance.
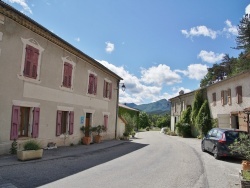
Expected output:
(51, 87)
(227, 100)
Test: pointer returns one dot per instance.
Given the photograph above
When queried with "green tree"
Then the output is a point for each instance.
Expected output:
(143, 120)
(203, 119)
(163, 121)
(131, 123)
(243, 38)
(198, 101)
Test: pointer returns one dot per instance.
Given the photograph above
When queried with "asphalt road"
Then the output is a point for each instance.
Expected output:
(151, 160)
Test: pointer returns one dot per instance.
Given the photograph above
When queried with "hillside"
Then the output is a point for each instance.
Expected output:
(160, 107)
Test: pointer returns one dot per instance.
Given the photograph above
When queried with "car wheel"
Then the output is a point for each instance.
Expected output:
(215, 152)
(203, 147)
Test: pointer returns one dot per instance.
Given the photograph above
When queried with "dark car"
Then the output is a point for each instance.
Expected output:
(217, 141)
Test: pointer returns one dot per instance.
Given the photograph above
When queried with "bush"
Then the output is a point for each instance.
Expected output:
(183, 129)
(147, 128)
(13, 149)
(31, 145)
(126, 134)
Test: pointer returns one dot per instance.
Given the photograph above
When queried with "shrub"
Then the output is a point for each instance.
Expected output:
(147, 128)
(13, 149)
(183, 129)
(126, 134)
(31, 145)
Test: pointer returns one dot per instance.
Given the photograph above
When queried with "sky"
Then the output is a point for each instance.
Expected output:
(158, 47)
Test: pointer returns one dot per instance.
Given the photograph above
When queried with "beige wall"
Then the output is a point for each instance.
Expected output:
(47, 93)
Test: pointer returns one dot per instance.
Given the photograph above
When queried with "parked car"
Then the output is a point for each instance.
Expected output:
(217, 141)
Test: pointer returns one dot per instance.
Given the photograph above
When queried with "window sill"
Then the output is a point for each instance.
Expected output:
(90, 95)
(107, 99)
(32, 80)
(66, 89)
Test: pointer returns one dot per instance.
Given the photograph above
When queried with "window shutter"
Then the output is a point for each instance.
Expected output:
(239, 94)
(15, 122)
(71, 122)
(35, 125)
(95, 85)
(31, 62)
(222, 97)
(90, 88)
(106, 121)
(58, 123)
(110, 90)
(35, 62)
(65, 75)
(214, 99)
(104, 89)
(229, 96)
(70, 68)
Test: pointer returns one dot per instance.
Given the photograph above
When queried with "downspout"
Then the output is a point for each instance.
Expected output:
(117, 108)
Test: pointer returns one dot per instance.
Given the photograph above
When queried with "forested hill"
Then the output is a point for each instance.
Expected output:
(160, 107)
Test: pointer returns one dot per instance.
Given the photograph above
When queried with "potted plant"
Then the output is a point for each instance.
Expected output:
(133, 134)
(126, 136)
(241, 146)
(31, 150)
(98, 130)
(86, 130)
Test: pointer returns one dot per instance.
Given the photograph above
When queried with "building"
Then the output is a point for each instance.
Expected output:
(227, 100)
(49, 88)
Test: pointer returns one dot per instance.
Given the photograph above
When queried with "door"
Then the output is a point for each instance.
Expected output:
(24, 124)
(88, 123)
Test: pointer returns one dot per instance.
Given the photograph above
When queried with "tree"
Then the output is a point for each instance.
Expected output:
(131, 123)
(243, 38)
(198, 100)
(163, 121)
(143, 120)
(203, 119)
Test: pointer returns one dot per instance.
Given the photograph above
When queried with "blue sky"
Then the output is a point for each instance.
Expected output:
(158, 47)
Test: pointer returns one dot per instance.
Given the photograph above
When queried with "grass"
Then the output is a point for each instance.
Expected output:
(246, 175)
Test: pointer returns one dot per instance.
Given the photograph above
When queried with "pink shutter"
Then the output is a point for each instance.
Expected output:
(35, 125)
(69, 75)
(65, 74)
(106, 121)
(95, 85)
(35, 62)
(71, 122)
(58, 123)
(90, 88)
(104, 89)
(15, 122)
(110, 90)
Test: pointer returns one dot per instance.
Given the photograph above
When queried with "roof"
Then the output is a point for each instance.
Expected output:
(189, 93)
(127, 107)
(27, 22)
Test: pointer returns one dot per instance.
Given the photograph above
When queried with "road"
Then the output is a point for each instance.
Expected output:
(165, 161)
(151, 160)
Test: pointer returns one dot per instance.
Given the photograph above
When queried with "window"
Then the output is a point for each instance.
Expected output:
(67, 74)
(20, 122)
(229, 96)
(107, 89)
(106, 117)
(239, 94)
(64, 122)
(214, 99)
(224, 98)
(92, 85)
(31, 60)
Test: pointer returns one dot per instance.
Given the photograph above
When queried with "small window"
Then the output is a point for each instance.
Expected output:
(64, 122)
(214, 99)
(67, 73)
(31, 61)
(106, 117)
(92, 84)
(239, 94)
(22, 118)
(107, 89)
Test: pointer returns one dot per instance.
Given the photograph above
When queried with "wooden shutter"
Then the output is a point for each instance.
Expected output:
(67, 74)
(15, 122)
(95, 85)
(91, 82)
(58, 123)
(71, 122)
(110, 90)
(229, 96)
(106, 121)
(70, 68)
(222, 97)
(214, 99)
(104, 89)
(35, 124)
(31, 62)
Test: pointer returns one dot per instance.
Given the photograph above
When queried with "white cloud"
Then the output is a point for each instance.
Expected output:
(23, 4)
(230, 29)
(210, 57)
(200, 31)
(195, 71)
(247, 10)
(78, 39)
(109, 47)
(161, 74)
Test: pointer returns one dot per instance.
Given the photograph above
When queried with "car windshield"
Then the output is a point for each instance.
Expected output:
(232, 135)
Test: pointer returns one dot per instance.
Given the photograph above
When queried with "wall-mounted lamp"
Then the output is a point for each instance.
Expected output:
(123, 87)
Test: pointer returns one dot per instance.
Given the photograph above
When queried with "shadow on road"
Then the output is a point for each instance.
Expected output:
(35, 174)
